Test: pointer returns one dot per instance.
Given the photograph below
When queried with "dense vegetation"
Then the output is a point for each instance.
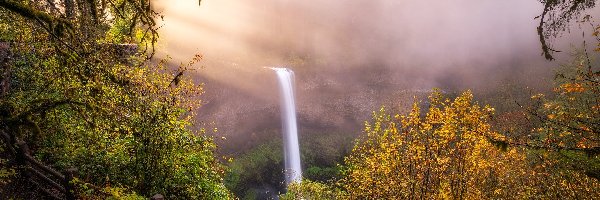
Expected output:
(83, 93)
(453, 151)
(260, 169)
(80, 87)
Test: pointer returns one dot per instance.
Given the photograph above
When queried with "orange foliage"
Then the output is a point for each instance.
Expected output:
(448, 153)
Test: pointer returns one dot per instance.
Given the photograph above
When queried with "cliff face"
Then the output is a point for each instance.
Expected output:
(331, 102)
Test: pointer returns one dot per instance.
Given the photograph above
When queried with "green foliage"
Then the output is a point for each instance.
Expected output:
(322, 174)
(263, 165)
(88, 191)
(6, 172)
(312, 190)
(137, 136)
(321, 153)
(6, 34)
(570, 117)
(80, 100)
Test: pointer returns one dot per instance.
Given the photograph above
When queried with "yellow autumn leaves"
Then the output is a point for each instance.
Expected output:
(448, 153)
(572, 87)
(571, 116)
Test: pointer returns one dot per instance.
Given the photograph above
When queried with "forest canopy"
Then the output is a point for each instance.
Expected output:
(80, 90)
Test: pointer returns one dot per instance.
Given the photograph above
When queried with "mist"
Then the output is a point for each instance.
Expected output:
(429, 37)
(350, 57)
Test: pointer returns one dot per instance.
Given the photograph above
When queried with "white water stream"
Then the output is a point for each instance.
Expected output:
(293, 171)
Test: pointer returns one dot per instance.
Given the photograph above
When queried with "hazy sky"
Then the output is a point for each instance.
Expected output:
(435, 43)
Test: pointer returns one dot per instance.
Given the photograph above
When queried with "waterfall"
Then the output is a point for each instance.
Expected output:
(293, 172)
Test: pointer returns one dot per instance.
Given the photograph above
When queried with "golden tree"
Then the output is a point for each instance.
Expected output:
(448, 153)
(570, 118)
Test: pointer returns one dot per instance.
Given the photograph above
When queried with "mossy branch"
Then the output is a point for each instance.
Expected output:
(503, 144)
(547, 51)
(31, 13)
(43, 108)
(34, 14)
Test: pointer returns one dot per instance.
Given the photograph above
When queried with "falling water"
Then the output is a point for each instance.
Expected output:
(293, 172)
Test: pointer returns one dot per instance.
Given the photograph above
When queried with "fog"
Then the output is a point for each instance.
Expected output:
(347, 46)
(431, 41)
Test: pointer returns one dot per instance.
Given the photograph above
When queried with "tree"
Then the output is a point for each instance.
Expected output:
(570, 125)
(312, 190)
(565, 122)
(572, 116)
(555, 18)
(83, 93)
(449, 153)
(261, 166)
